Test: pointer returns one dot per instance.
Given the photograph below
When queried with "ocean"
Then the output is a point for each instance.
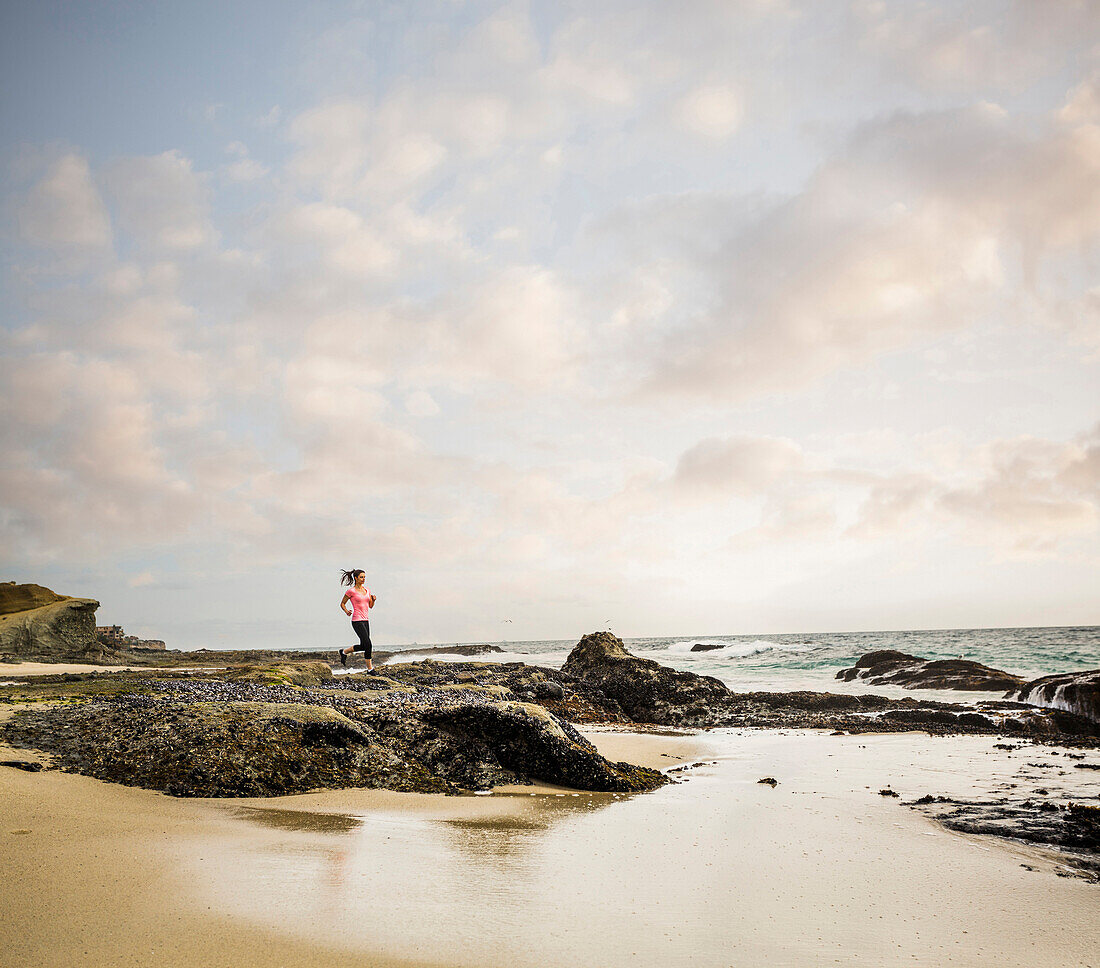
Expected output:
(783, 663)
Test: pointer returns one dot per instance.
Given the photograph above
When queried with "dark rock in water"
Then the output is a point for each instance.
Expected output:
(647, 691)
(818, 702)
(1073, 692)
(1075, 830)
(887, 792)
(440, 650)
(769, 780)
(936, 717)
(706, 646)
(889, 667)
(36, 623)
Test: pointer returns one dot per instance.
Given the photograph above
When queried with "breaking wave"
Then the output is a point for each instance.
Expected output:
(718, 649)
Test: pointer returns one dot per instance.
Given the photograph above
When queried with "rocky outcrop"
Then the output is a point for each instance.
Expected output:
(1028, 812)
(54, 627)
(651, 693)
(531, 743)
(257, 734)
(563, 694)
(889, 667)
(1073, 692)
(215, 749)
(647, 691)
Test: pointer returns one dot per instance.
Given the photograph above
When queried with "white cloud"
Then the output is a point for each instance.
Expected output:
(162, 201)
(469, 323)
(1024, 496)
(245, 168)
(1083, 104)
(516, 326)
(420, 403)
(64, 208)
(350, 149)
(738, 465)
(982, 45)
(916, 227)
(338, 237)
(712, 110)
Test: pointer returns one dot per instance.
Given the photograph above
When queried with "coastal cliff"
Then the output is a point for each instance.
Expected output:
(37, 623)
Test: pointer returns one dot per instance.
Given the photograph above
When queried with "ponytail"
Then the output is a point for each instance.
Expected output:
(348, 577)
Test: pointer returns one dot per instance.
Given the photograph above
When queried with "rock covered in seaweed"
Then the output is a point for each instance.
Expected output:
(647, 691)
(890, 667)
(255, 736)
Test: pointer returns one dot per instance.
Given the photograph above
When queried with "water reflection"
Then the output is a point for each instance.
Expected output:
(713, 872)
(303, 821)
(519, 828)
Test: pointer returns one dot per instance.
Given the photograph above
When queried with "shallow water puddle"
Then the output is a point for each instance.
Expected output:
(712, 871)
(300, 820)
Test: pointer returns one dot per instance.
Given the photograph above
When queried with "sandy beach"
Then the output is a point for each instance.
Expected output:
(94, 875)
(715, 870)
(16, 670)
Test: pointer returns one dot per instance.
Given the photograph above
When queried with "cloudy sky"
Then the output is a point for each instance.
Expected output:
(706, 317)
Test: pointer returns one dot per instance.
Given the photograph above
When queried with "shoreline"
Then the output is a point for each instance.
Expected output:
(789, 828)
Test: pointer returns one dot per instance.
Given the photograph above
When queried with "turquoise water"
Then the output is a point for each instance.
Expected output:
(811, 661)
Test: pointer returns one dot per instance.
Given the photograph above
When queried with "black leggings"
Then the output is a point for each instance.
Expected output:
(362, 629)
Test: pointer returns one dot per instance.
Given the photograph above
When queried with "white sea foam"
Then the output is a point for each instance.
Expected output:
(734, 650)
(550, 659)
(1035, 697)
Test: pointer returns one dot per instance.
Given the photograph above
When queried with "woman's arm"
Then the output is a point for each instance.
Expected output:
(343, 604)
(373, 599)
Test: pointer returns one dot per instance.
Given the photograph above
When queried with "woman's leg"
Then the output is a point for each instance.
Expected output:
(362, 629)
(368, 650)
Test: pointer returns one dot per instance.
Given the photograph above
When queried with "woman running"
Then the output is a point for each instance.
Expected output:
(362, 601)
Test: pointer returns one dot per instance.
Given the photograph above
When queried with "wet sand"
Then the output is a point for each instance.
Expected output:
(9, 670)
(93, 870)
(716, 870)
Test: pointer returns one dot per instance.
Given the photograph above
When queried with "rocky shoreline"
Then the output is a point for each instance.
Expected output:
(286, 725)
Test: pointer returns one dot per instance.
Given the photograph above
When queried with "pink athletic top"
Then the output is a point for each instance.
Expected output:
(360, 603)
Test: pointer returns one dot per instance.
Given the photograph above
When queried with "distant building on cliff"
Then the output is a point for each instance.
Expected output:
(115, 637)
